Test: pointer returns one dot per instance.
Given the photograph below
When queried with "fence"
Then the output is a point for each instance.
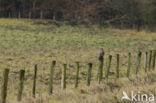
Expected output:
(149, 64)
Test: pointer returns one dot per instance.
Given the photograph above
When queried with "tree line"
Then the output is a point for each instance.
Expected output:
(117, 13)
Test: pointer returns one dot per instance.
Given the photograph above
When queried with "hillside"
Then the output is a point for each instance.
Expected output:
(24, 43)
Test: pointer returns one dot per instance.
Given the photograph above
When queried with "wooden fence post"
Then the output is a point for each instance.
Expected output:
(117, 66)
(29, 15)
(4, 86)
(19, 15)
(20, 89)
(9, 15)
(108, 66)
(52, 68)
(146, 61)
(100, 69)
(149, 61)
(77, 74)
(138, 62)
(129, 64)
(63, 82)
(89, 73)
(34, 81)
(154, 57)
(41, 15)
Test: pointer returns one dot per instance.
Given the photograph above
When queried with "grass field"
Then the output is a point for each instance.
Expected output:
(24, 43)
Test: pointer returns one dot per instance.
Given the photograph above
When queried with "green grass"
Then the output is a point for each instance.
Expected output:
(28, 34)
(24, 43)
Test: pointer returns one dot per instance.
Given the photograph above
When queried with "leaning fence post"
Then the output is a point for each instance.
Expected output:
(77, 74)
(34, 82)
(89, 73)
(101, 61)
(154, 57)
(4, 86)
(108, 66)
(129, 64)
(150, 59)
(117, 66)
(138, 62)
(20, 89)
(51, 77)
(63, 82)
(146, 61)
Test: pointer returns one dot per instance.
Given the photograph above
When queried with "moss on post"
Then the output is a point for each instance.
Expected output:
(77, 75)
(149, 61)
(129, 64)
(4, 86)
(153, 61)
(108, 66)
(117, 66)
(89, 74)
(138, 62)
(100, 69)
(52, 68)
(20, 89)
(63, 82)
(34, 81)
(146, 62)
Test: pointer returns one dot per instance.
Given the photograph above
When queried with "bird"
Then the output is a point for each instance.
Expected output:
(101, 53)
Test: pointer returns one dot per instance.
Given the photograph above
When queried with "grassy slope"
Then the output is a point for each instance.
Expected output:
(26, 42)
